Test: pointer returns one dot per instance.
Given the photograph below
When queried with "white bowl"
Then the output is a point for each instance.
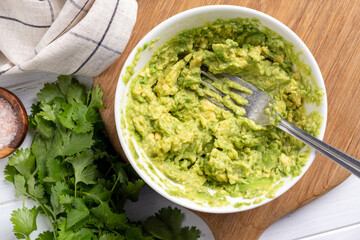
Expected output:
(164, 31)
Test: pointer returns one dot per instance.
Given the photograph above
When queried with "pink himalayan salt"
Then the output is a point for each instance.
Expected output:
(8, 123)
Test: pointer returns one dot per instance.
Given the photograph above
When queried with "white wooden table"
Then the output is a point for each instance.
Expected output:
(335, 215)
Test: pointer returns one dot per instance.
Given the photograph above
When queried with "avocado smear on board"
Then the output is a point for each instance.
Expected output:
(199, 145)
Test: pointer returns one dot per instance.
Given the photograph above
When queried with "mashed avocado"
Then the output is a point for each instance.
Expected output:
(199, 145)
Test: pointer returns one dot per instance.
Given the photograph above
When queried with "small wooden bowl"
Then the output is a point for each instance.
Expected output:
(22, 121)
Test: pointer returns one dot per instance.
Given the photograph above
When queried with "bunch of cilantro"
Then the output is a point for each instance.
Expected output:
(76, 178)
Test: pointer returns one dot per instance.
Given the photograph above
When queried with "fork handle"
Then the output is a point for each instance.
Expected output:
(349, 163)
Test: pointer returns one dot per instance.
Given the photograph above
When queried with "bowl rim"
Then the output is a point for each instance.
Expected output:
(182, 16)
(22, 120)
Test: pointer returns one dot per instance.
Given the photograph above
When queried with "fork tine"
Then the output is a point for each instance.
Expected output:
(227, 101)
(211, 86)
(241, 92)
(209, 75)
(241, 82)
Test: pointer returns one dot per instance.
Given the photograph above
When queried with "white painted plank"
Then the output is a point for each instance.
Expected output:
(351, 232)
(338, 208)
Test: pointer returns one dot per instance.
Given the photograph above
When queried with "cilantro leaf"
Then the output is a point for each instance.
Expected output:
(84, 170)
(43, 126)
(10, 172)
(56, 170)
(95, 96)
(24, 162)
(131, 190)
(158, 228)
(78, 214)
(66, 199)
(109, 219)
(47, 235)
(39, 149)
(189, 233)
(99, 192)
(56, 192)
(136, 233)
(93, 115)
(61, 188)
(83, 234)
(35, 190)
(74, 117)
(66, 116)
(49, 92)
(64, 82)
(35, 108)
(111, 236)
(47, 112)
(165, 225)
(173, 217)
(66, 142)
(76, 93)
(20, 188)
(121, 174)
(80, 118)
(69, 143)
(24, 221)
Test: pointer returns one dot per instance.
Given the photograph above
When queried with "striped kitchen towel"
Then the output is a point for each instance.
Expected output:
(81, 37)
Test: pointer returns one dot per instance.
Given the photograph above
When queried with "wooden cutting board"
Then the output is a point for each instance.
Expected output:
(331, 30)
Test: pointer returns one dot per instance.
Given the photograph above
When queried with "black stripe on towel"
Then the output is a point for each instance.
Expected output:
(24, 23)
(2, 72)
(51, 11)
(93, 41)
(77, 6)
(81, 10)
(101, 40)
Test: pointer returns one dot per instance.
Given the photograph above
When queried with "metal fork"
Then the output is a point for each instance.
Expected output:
(258, 101)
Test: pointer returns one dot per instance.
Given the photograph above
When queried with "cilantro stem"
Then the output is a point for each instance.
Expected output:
(47, 215)
(112, 203)
(116, 181)
(92, 195)
(113, 188)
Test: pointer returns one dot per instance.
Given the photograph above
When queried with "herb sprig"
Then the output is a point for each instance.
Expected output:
(75, 176)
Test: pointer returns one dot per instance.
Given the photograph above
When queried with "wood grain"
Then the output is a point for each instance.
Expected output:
(331, 30)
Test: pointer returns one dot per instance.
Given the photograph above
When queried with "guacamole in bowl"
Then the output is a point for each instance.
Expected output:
(199, 153)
